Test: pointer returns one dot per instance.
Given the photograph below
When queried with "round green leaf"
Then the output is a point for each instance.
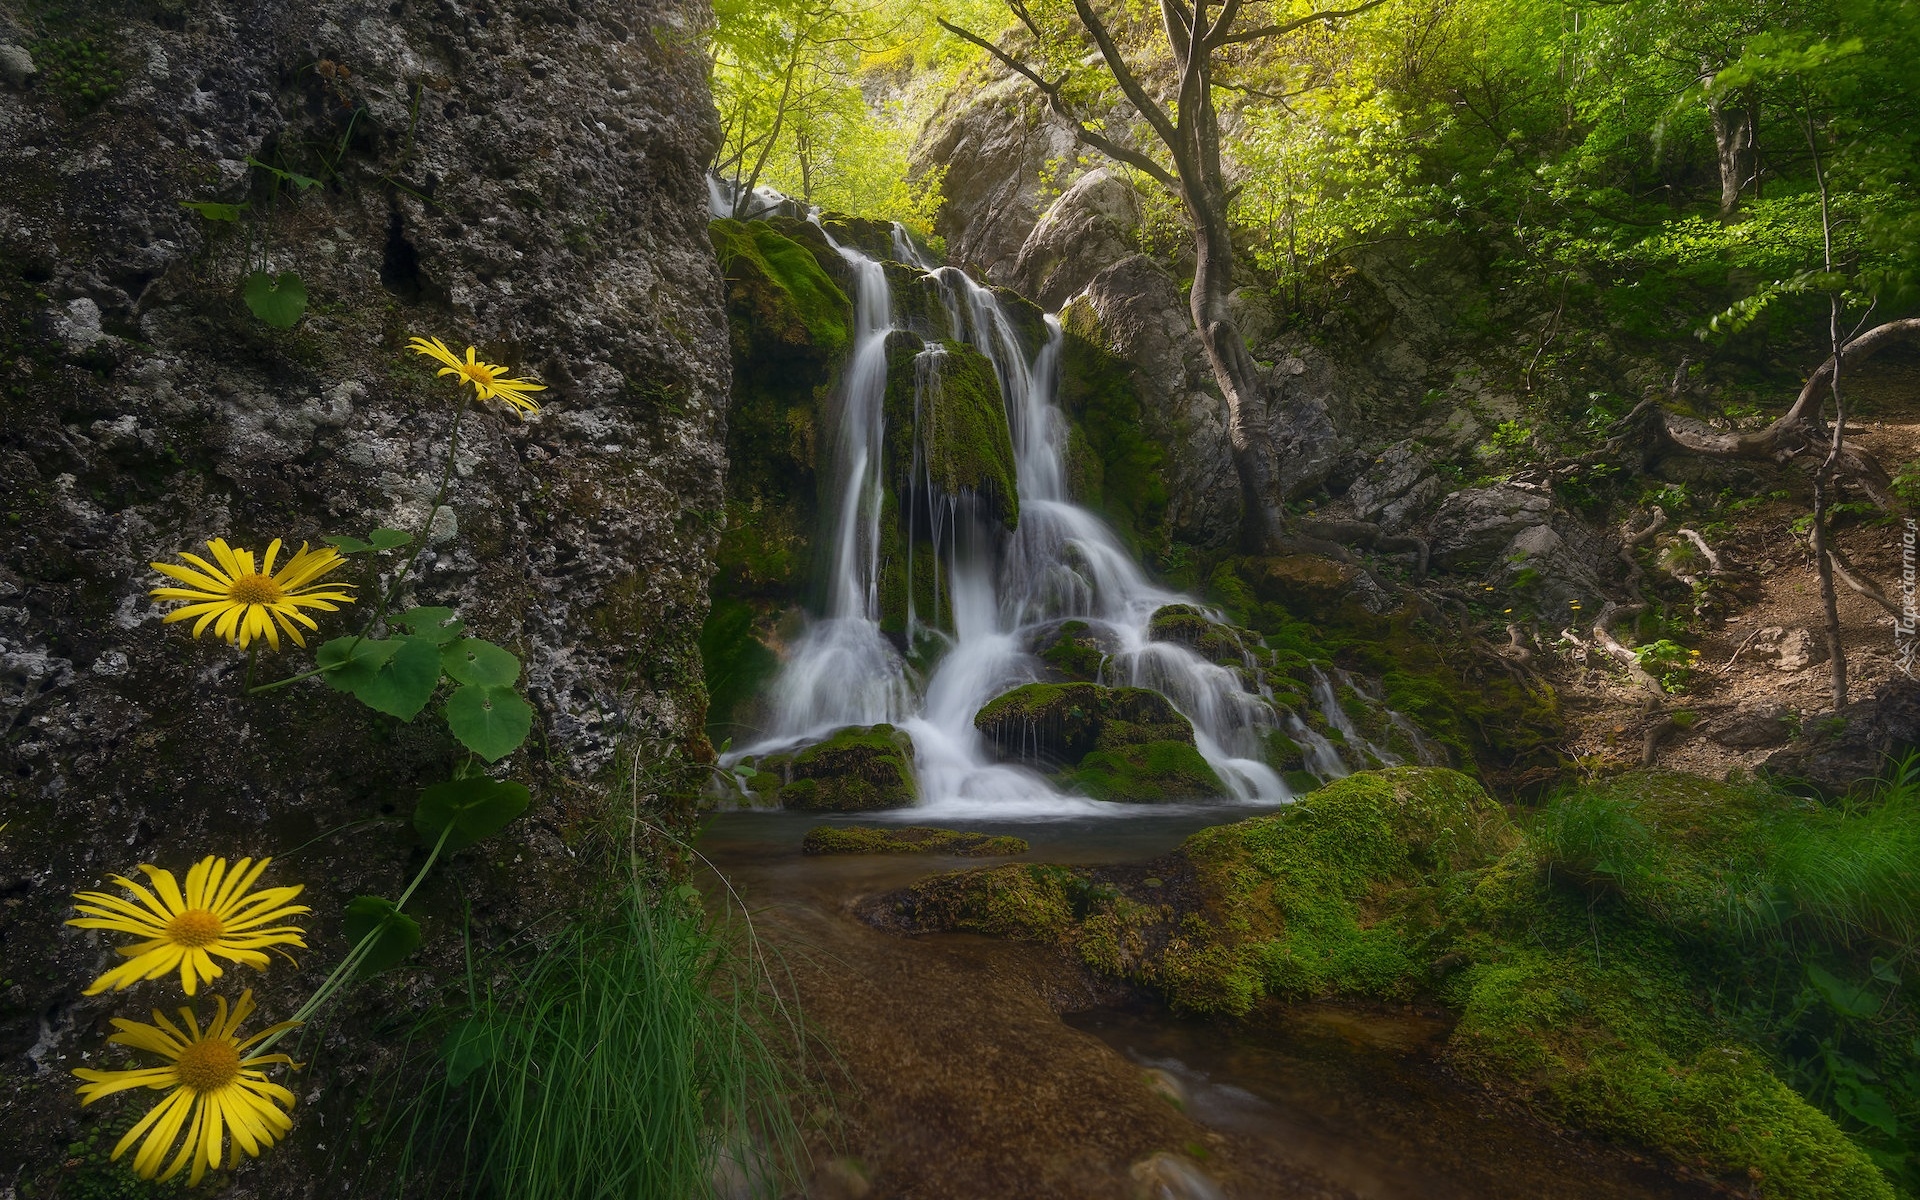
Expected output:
(470, 1045)
(467, 810)
(471, 660)
(490, 721)
(276, 299)
(403, 683)
(395, 934)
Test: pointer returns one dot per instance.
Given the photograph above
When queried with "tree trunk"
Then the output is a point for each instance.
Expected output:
(1732, 120)
(1233, 367)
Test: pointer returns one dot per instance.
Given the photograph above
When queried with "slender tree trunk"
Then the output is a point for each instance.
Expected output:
(1732, 120)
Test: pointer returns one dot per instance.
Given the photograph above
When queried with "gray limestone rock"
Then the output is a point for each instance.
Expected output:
(1471, 527)
(1089, 228)
(16, 66)
(995, 144)
(528, 179)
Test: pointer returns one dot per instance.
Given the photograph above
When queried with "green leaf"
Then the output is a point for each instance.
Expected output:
(471, 660)
(490, 721)
(436, 625)
(396, 934)
(276, 299)
(213, 210)
(303, 182)
(467, 810)
(1846, 999)
(356, 661)
(470, 1045)
(347, 545)
(387, 539)
(1868, 1106)
(393, 675)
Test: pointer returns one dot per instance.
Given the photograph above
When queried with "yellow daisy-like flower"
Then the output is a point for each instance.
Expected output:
(484, 376)
(216, 1089)
(184, 930)
(242, 603)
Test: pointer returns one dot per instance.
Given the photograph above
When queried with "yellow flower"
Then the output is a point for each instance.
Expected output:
(484, 376)
(215, 915)
(215, 1090)
(242, 603)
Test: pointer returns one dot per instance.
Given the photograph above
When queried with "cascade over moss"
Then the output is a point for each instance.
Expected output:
(956, 420)
(1111, 464)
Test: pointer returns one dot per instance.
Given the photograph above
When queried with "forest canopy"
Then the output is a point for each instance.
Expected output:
(1661, 160)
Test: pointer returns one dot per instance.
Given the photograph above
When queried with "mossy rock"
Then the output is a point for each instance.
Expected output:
(1188, 626)
(782, 303)
(1112, 465)
(1605, 1007)
(870, 237)
(1058, 724)
(1306, 584)
(1144, 773)
(1126, 743)
(858, 769)
(908, 839)
(1073, 650)
(944, 400)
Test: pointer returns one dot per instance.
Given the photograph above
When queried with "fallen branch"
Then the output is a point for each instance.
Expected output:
(1650, 744)
(1603, 633)
(1700, 543)
(1744, 642)
(1844, 570)
(1632, 539)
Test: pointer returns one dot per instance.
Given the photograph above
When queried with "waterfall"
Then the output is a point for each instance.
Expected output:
(995, 593)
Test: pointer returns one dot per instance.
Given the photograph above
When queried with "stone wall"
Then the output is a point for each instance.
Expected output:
(523, 175)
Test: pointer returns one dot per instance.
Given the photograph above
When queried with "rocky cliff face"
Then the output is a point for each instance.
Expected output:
(521, 175)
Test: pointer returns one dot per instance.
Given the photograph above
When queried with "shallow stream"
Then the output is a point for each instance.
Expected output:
(959, 1075)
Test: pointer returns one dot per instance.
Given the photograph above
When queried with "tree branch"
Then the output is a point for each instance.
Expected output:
(1058, 104)
(1220, 35)
(1123, 75)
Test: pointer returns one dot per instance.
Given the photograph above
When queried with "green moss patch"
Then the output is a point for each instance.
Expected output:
(1596, 960)
(1112, 464)
(781, 302)
(1126, 744)
(946, 420)
(908, 839)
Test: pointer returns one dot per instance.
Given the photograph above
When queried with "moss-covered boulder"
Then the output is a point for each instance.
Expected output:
(781, 303)
(1110, 743)
(1113, 465)
(908, 839)
(1601, 963)
(864, 768)
(947, 434)
(1188, 626)
(1073, 650)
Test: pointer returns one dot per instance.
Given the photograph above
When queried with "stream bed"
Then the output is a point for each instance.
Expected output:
(966, 1066)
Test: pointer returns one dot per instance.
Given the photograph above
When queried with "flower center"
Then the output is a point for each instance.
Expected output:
(255, 589)
(208, 1066)
(480, 373)
(195, 927)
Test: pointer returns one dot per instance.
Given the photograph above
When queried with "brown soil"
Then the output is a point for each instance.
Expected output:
(1769, 582)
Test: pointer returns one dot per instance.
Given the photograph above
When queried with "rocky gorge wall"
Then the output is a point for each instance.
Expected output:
(521, 175)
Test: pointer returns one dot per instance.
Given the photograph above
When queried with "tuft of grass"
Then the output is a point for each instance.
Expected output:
(635, 1056)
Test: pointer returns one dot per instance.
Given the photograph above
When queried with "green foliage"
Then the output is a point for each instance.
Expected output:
(276, 299)
(635, 1053)
(460, 812)
(1669, 662)
(79, 70)
(382, 935)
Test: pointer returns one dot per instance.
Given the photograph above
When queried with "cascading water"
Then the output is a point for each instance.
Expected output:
(1061, 562)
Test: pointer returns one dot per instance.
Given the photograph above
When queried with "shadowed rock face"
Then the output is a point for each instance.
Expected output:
(529, 180)
(1840, 751)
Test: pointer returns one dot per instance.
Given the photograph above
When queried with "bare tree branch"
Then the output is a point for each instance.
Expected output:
(1058, 104)
(1123, 75)
(1221, 35)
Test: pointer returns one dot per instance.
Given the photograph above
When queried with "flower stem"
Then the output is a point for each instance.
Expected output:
(343, 973)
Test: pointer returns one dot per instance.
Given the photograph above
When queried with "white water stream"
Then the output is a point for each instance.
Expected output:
(1062, 562)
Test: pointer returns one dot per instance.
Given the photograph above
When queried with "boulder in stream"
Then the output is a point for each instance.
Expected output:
(1126, 743)
(863, 768)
